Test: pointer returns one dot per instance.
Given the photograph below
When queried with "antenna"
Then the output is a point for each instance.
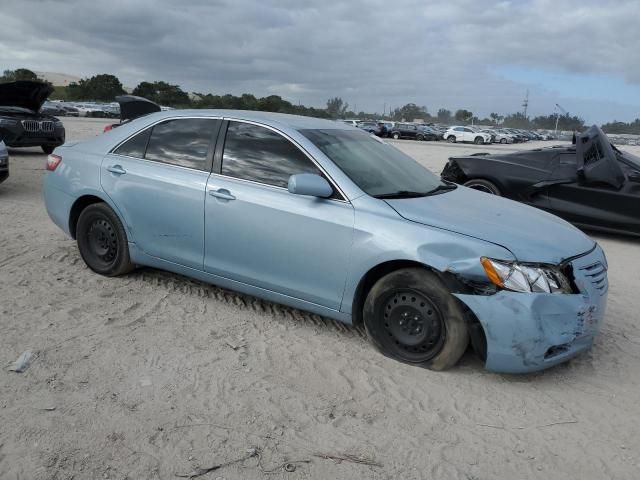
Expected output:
(525, 104)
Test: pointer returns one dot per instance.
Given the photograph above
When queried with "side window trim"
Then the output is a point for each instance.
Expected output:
(217, 168)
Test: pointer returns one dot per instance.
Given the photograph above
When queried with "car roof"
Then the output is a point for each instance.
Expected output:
(295, 122)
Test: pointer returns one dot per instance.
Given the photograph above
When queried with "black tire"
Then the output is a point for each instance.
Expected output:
(451, 139)
(483, 186)
(419, 137)
(411, 316)
(102, 241)
(48, 149)
(478, 140)
(503, 141)
(395, 135)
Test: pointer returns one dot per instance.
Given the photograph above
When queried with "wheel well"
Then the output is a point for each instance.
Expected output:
(77, 208)
(476, 331)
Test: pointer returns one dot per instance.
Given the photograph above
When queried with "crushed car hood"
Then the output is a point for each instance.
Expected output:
(133, 107)
(25, 94)
(532, 235)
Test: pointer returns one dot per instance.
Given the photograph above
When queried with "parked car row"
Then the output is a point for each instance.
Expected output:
(452, 134)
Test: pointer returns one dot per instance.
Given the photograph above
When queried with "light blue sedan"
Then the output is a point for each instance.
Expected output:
(321, 216)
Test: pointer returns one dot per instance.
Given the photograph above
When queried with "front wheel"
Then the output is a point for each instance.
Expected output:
(396, 136)
(503, 141)
(451, 139)
(419, 138)
(483, 186)
(478, 141)
(411, 316)
(102, 241)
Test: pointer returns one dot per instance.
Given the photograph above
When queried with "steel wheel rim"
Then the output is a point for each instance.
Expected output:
(413, 325)
(102, 241)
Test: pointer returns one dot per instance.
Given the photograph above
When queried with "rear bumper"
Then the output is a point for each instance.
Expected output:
(531, 332)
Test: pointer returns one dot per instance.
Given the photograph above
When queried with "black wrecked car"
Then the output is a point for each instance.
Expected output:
(4, 162)
(591, 184)
(132, 107)
(21, 123)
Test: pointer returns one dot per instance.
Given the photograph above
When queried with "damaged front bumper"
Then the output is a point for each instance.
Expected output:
(527, 332)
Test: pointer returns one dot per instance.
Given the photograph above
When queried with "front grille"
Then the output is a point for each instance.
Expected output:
(596, 273)
(36, 126)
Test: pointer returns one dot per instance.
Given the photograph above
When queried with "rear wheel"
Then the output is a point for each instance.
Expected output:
(102, 241)
(48, 149)
(451, 139)
(478, 140)
(411, 316)
(419, 137)
(483, 186)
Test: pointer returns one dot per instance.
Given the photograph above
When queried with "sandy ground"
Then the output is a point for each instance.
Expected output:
(153, 374)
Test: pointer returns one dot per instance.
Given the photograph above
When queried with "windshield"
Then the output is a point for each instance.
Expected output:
(376, 167)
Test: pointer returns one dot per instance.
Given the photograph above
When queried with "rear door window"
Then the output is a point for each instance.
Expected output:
(183, 142)
(258, 154)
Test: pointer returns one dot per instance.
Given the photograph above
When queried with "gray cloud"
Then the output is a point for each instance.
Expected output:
(428, 52)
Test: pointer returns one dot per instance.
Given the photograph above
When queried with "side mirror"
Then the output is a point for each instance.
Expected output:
(309, 184)
(634, 177)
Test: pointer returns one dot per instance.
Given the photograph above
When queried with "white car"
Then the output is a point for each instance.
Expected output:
(466, 134)
(499, 137)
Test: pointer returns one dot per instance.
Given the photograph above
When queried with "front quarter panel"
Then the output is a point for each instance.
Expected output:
(381, 236)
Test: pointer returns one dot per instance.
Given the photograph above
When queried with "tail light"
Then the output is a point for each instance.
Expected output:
(107, 128)
(53, 161)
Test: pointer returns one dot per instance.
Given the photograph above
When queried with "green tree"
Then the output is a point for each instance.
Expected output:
(18, 74)
(496, 118)
(463, 115)
(444, 115)
(162, 93)
(104, 87)
(336, 107)
(410, 112)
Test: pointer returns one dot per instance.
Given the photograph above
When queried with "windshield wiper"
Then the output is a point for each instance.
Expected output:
(442, 188)
(401, 194)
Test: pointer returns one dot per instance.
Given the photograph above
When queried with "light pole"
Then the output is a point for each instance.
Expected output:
(560, 109)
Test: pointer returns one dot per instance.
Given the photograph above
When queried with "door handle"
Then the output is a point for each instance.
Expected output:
(222, 194)
(117, 169)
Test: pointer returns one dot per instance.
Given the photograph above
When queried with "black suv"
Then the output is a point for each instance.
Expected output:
(20, 123)
(4, 162)
(407, 130)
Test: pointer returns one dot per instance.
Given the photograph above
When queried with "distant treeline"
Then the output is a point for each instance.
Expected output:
(105, 87)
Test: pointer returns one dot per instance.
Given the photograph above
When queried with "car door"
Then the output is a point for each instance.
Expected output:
(589, 202)
(258, 233)
(468, 135)
(157, 180)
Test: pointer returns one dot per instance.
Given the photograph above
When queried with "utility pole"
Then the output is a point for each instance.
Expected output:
(560, 109)
(525, 104)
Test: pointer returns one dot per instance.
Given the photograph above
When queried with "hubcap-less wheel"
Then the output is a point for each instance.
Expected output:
(102, 241)
(413, 324)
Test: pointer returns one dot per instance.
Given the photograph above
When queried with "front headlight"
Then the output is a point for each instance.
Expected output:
(526, 278)
(57, 123)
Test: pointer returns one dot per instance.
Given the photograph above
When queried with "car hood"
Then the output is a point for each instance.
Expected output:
(532, 235)
(24, 94)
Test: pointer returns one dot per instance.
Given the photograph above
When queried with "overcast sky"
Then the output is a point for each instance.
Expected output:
(479, 55)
